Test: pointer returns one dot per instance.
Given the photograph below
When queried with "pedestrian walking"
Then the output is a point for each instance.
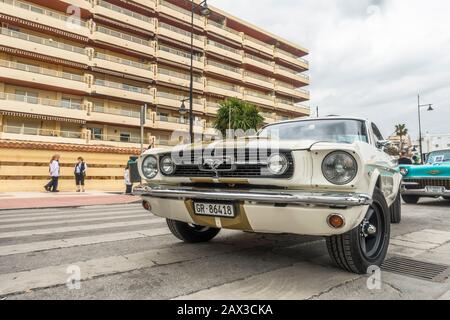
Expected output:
(127, 178)
(54, 170)
(80, 174)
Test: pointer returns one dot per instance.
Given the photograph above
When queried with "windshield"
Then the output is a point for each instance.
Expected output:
(333, 130)
(439, 156)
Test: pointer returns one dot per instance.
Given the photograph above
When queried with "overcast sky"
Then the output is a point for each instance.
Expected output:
(368, 58)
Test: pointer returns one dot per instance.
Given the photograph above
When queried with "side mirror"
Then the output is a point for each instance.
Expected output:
(383, 144)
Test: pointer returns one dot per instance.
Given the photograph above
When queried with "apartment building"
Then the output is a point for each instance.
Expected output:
(74, 73)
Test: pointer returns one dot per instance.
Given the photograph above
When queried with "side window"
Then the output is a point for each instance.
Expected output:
(377, 133)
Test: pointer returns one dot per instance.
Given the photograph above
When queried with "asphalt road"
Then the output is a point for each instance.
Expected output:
(122, 252)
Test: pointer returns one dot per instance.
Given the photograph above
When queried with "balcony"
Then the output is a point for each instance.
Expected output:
(177, 124)
(42, 135)
(115, 115)
(124, 40)
(223, 70)
(83, 4)
(122, 90)
(258, 45)
(268, 117)
(260, 63)
(49, 107)
(181, 14)
(181, 35)
(180, 79)
(223, 31)
(259, 80)
(132, 18)
(292, 59)
(21, 72)
(298, 94)
(180, 57)
(44, 16)
(289, 106)
(151, 4)
(174, 101)
(259, 98)
(223, 50)
(42, 45)
(212, 108)
(223, 89)
(117, 140)
(299, 78)
(121, 65)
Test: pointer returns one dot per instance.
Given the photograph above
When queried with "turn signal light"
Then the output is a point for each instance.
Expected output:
(336, 221)
(147, 205)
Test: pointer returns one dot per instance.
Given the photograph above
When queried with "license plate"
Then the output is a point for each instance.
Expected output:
(435, 189)
(225, 210)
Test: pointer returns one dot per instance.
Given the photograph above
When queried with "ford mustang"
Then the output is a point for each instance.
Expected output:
(324, 177)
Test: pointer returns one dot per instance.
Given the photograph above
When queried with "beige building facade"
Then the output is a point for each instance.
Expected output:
(76, 73)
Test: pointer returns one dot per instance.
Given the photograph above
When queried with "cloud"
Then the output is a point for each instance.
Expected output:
(368, 58)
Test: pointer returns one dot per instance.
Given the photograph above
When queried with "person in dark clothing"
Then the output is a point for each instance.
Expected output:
(80, 174)
(404, 159)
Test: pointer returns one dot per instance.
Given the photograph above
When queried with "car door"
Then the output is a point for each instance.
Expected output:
(386, 164)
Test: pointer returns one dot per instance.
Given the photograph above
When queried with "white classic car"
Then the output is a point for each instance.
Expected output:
(324, 177)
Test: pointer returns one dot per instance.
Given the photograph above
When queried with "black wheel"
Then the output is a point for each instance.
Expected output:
(396, 210)
(410, 199)
(366, 245)
(191, 233)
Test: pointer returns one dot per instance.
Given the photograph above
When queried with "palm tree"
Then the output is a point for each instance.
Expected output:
(236, 114)
(401, 131)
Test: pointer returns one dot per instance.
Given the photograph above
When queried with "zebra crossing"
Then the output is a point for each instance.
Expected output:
(32, 233)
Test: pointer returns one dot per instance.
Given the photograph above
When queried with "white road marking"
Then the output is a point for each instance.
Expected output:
(65, 216)
(26, 233)
(80, 241)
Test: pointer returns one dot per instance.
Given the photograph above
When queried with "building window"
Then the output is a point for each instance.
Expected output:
(125, 137)
(97, 133)
(27, 96)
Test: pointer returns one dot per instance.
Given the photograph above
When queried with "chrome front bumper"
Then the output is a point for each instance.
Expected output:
(260, 196)
(425, 193)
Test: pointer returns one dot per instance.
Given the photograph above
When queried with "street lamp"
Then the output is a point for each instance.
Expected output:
(204, 11)
(419, 107)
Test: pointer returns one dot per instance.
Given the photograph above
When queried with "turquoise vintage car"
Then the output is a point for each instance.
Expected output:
(431, 180)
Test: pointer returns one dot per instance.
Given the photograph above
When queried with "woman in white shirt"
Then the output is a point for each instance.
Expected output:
(54, 170)
(127, 180)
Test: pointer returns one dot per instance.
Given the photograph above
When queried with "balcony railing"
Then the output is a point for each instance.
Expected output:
(122, 61)
(40, 70)
(223, 86)
(253, 57)
(180, 53)
(293, 56)
(258, 76)
(224, 47)
(124, 11)
(118, 112)
(42, 132)
(175, 97)
(45, 102)
(121, 86)
(124, 36)
(41, 40)
(224, 27)
(179, 75)
(115, 138)
(46, 12)
(259, 95)
(223, 66)
(179, 31)
(178, 9)
(304, 76)
(178, 120)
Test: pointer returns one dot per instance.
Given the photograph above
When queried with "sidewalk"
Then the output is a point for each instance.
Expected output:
(34, 200)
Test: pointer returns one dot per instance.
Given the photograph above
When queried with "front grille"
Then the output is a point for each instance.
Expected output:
(249, 166)
(422, 183)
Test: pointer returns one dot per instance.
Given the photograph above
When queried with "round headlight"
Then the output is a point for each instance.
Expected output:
(150, 167)
(339, 168)
(404, 171)
(277, 164)
(167, 166)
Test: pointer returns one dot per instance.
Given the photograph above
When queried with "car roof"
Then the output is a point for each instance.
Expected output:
(320, 118)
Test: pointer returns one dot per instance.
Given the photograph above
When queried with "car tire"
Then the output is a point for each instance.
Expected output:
(191, 233)
(396, 210)
(363, 247)
(410, 199)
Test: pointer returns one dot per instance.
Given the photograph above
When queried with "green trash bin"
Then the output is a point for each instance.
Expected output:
(135, 177)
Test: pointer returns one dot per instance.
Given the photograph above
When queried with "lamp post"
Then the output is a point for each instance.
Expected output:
(204, 11)
(419, 107)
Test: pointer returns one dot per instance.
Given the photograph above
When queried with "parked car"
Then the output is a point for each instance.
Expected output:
(431, 180)
(325, 177)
